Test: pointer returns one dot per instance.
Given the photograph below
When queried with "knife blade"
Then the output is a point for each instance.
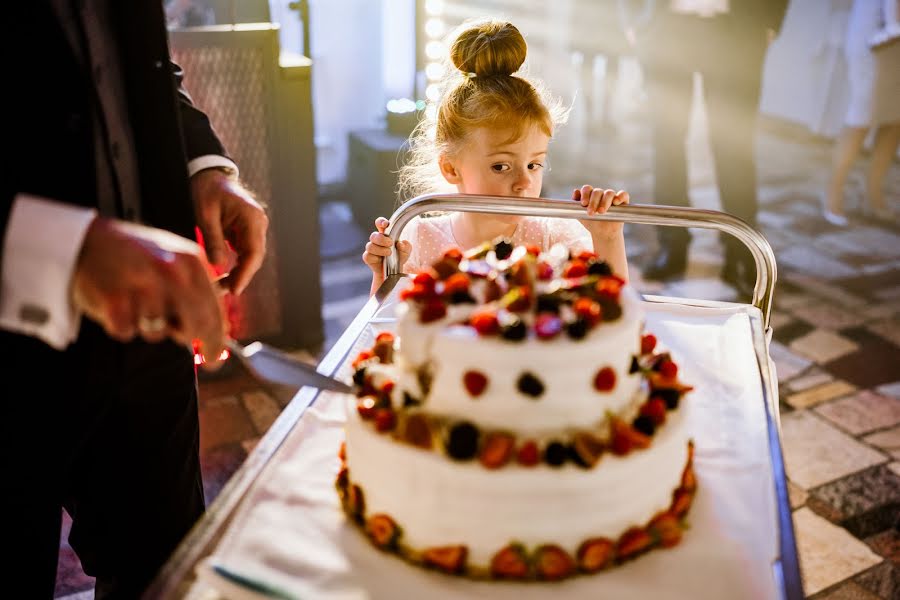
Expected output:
(270, 364)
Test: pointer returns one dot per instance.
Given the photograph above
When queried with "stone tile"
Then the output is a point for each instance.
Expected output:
(881, 311)
(823, 346)
(796, 494)
(889, 439)
(891, 293)
(889, 329)
(882, 580)
(262, 408)
(789, 300)
(814, 263)
(828, 554)
(779, 318)
(787, 363)
(813, 285)
(217, 466)
(862, 412)
(816, 452)
(848, 591)
(821, 393)
(813, 378)
(895, 467)
(873, 364)
(792, 331)
(886, 544)
(223, 420)
(828, 316)
(889, 389)
(866, 502)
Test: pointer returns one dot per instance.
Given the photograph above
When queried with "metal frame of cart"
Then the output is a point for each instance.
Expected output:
(178, 572)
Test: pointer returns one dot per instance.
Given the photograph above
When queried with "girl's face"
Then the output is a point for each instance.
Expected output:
(489, 164)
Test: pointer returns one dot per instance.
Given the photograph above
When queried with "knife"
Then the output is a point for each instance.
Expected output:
(270, 364)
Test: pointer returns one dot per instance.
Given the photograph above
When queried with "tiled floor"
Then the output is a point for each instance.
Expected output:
(836, 346)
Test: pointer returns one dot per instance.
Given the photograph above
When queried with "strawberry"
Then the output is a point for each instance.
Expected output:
(681, 502)
(496, 450)
(655, 408)
(458, 282)
(361, 357)
(366, 407)
(356, 501)
(382, 530)
(552, 563)
(625, 438)
(688, 478)
(417, 431)
(587, 448)
(454, 254)
(417, 292)
(475, 382)
(449, 559)
(588, 310)
(533, 250)
(386, 389)
(594, 554)
(648, 343)
(547, 325)
(666, 529)
(424, 279)
(528, 454)
(668, 369)
(586, 256)
(485, 322)
(385, 419)
(633, 542)
(576, 268)
(608, 287)
(510, 563)
(605, 379)
(544, 271)
(385, 336)
(433, 311)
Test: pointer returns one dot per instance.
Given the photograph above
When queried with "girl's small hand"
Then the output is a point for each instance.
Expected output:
(597, 201)
(379, 247)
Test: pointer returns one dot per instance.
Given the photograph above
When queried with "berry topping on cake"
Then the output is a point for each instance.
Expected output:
(445, 268)
(503, 249)
(688, 479)
(425, 279)
(530, 385)
(510, 563)
(456, 283)
(576, 268)
(644, 424)
(600, 267)
(382, 530)
(433, 310)
(669, 396)
(496, 450)
(409, 400)
(552, 563)
(449, 559)
(594, 554)
(361, 358)
(485, 322)
(356, 501)
(528, 454)
(633, 542)
(608, 287)
(533, 250)
(625, 438)
(462, 441)
(587, 448)
(517, 299)
(366, 406)
(514, 329)
(666, 529)
(648, 343)
(588, 309)
(544, 271)
(655, 408)
(417, 431)
(577, 329)
(548, 303)
(385, 419)
(611, 308)
(668, 369)
(475, 382)
(547, 326)
(555, 454)
(635, 366)
(384, 349)
(681, 502)
(605, 380)
(454, 254)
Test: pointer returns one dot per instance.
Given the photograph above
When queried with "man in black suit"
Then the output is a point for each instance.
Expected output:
(107, 168)
(725, 41)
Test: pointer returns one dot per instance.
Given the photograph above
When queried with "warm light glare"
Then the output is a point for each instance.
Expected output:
(434, 50)
(434, 71)
(433, 92)
(434, 28)
(431, 111)
(434, 7)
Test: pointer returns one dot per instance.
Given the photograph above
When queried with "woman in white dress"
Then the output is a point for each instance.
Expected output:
(874, 77)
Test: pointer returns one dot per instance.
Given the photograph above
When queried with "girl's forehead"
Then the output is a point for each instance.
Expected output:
(525, 139)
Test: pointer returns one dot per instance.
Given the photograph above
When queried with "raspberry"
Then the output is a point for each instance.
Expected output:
(605, 379)
(385, 419)
(544, 271)
(648, 343)
(433, 311)
(669, 369)
(528, 454)
(475, 382)
(576, 268)
(655, 408)
(485, 323)
(547, 326)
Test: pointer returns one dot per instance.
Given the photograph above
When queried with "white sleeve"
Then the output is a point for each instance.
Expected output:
(209, 161)
(42, 243)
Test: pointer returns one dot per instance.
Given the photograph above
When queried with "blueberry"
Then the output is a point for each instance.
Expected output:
(599, 268)
(530, 385)
(462, 441)
(461, 297)
(514, 331)
(548, 303)
(503, 249)
(669, 396)
(577, 329)
(644, 424)
(359, 377)
(556, 454)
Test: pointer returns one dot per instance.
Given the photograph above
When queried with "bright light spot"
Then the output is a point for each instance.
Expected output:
(401, 105)
(434, 71)
(420, 104)
(434, 7)
(434, 28)
(434, 50)
(198, 359)
(433, 92)
(431, 111)
(225, 354)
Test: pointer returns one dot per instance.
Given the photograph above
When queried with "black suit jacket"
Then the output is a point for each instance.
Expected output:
(47, 136)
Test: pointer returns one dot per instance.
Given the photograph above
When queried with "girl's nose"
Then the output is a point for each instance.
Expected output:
(522, 180)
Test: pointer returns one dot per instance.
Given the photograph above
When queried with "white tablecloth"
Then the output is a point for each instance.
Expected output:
(290, 531)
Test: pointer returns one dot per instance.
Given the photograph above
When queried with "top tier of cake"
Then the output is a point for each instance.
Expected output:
(521, 340)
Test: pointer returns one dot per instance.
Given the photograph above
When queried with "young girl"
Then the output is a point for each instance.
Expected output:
(489, 136)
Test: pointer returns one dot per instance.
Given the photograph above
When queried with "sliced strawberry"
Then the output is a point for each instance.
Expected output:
(688, 478)
(552, 563)
(433, 311)
(605, 380)
(528, 454)
(356, 501)
(588, 448)
(589, 310)
(681, 502)
(449, 559)
(626, 438)
(385, 419)
(510, 563)
(496, 450)
(576, 268)
(417, 431)
(382, 530)
(366, 407)
(594, 554)
(475, 382)
(655, 408)
(547, 325)
(648, 343)
(633, 542)
(386, 389)
(666, 529)
(485, 322)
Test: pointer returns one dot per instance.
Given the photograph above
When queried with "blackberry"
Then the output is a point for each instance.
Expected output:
(530, 385)
(577, 329)
(635, 365)
(359, 376)
(514, 331)
(461, 297)
(548, 303)
(611, 309)
(599, 268)
(503, 249)
(556, 454)
(669, 396)
(409, 400)
(644, 424)
(462, 441)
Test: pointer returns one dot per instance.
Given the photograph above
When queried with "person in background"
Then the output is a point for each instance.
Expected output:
(489, 136)
(107, 171)
(889, 32)
(725, 41)
(874, 77)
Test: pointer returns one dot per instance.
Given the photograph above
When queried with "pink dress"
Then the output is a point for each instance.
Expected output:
(432, 236)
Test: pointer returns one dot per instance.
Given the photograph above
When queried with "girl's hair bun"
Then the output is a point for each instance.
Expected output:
(489, 48)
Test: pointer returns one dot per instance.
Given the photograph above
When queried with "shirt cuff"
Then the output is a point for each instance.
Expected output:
(42, 244)
(211, 161)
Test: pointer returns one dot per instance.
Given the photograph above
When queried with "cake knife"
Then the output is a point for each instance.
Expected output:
(270, 364)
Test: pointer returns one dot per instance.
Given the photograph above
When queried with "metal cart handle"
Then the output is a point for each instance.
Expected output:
(670, 216)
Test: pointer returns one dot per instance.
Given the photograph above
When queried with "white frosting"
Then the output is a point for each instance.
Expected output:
(440, 502)
(565, 367)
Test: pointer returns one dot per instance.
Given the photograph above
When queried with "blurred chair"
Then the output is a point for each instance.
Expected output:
(259, 101)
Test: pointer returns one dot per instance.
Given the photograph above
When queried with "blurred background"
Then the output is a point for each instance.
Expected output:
(315, 99)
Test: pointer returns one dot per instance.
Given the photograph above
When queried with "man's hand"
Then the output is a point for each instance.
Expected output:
(226, 212)
(139, 281)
